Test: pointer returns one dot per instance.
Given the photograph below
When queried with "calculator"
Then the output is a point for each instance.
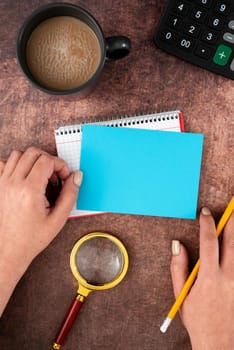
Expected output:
(200, 32)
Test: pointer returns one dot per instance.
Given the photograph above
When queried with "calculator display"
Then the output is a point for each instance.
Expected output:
(201, 32)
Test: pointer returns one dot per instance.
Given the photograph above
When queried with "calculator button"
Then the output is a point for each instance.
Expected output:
(206, 3)
(203, 51)
(228, 37)
(222, 8)
(209, 36)
(168, 36)
(231, 25)
(222, 55)
(216, 22)
(192, 29)
(174, 22)
(186, 43)
(198, 14)
(182, 7)
(232, 65)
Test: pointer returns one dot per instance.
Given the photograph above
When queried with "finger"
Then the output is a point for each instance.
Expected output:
(29, 158)
(12, 162)
(209, 247)
(2, 166)
(179, 266)
(227, 251)
(27, 161)
(65, 201)
(61, 168)
(43, 169)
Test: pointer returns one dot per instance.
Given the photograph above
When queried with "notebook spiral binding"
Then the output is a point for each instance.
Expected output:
(119, 121)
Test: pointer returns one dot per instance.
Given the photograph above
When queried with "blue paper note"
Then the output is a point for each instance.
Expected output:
(145, 172)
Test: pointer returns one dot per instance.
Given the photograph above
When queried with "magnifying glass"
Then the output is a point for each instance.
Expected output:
(98, 261)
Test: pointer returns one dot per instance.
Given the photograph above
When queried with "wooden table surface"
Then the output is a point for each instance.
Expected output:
(127, 317)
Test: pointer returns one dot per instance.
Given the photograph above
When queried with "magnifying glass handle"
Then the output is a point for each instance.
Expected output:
(68, 321)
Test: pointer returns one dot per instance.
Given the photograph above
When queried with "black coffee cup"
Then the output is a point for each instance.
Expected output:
(111, 48)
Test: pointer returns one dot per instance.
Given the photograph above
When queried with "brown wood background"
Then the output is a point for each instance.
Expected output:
(127, 317)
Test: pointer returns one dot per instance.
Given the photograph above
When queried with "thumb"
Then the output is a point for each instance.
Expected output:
(65, 201)
(179, 266)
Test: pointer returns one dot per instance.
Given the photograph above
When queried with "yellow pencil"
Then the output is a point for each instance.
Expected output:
(189, 282)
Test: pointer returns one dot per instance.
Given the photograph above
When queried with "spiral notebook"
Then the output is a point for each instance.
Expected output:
(68, 138)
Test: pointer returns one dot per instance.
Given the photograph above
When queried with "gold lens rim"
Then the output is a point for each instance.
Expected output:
(84, 286)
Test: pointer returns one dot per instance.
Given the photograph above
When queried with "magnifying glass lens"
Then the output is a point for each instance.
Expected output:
(99, 260)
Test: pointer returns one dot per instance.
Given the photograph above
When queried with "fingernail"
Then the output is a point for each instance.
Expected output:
(206, 211)
(54, 180)
(77, 179)
(175, 247)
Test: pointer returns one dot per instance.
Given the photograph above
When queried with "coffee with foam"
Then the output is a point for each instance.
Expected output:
(63, 53)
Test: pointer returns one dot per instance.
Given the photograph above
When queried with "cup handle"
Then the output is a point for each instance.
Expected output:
(117, 47)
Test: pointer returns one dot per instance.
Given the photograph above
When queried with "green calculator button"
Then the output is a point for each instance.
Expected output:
(222, 55)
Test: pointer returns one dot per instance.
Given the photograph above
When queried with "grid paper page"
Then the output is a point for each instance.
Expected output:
(68, 138)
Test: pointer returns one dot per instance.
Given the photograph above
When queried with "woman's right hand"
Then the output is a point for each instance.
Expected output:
(208, 310)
